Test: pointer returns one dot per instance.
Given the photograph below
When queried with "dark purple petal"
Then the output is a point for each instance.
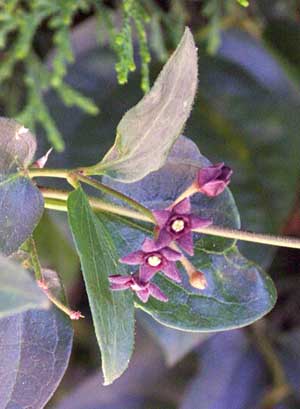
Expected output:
(171, 271)
(170, 254)
(186, 243)
(143, 294)
(149, 245)
(213, 189)
(164, 239)
(147, 272)
(183, 207)
(156, 292)
(197, 222)
(161, 216)
(136, 257)
(212, 180)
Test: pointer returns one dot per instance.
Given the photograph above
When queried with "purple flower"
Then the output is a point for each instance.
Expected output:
(212, 180)
(153, 257)
(142, 289)
(176, 224)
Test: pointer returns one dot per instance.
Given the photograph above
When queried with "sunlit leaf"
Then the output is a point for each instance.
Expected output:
(147, 131)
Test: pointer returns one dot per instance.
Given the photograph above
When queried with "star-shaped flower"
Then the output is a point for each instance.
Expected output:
(142, 289)
(212, 180)
(155, 256)
(177, 223)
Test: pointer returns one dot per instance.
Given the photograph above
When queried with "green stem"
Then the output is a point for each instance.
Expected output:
(35, 259)
(280, 241)
(280, 388)
(72, 175)
(142, 212)
(57, 200)
(106, 189)
(49, 173)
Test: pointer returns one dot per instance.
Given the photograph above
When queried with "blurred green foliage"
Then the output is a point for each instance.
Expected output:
(28, 30)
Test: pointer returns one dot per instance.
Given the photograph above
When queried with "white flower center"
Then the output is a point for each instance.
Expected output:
(178, 225)
(154, 261)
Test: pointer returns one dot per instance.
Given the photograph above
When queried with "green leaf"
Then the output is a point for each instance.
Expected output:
(56, 249)
(238, 294)
(18, 291)
(147, 131)
(113, 313)
(21, 203)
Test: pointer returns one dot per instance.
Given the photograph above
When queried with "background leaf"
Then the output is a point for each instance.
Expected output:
(35, 347)
(231, 375)
(18, 291)
(174, 344)
(113, 313)
(147, 131)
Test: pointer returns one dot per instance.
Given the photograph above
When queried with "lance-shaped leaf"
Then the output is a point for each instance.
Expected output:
(21, 203)
(238, 292)
(35, 347)
(18, 291)
(147, 131)
(113, 313)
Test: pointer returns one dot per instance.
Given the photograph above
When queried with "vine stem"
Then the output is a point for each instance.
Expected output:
(280, 388)
(56, 199)
(280, 241)
(106, 189)
(144, 214)
(72, 176)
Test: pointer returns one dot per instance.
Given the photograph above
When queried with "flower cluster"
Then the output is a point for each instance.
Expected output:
(174, 236)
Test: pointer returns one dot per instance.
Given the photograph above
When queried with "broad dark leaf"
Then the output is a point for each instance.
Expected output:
(238, 292)
(18, 291)
(17, 146)
(231, 375)
(21, 206)
(35, 347)
(147, 132)
(113, 313)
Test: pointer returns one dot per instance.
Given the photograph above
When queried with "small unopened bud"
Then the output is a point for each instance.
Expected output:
(197, 280)
(75, 315)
